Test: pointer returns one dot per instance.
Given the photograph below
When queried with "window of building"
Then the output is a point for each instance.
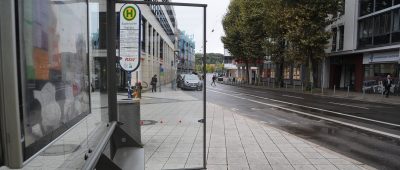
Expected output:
(366, 7)
(297, 73)
(161, 48)
(286, 73)
(341, 37)
(396, 26)
(374, 71)
(154, 42)
(334, 37)
(148, 49)
(382, 28)
(365, 32)
(143, 34)
(382, 4)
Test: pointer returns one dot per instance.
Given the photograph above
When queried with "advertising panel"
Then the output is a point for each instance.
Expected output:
(129, 37)
(54, 71)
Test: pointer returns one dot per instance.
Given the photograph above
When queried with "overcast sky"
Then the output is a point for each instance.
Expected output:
(190, 20)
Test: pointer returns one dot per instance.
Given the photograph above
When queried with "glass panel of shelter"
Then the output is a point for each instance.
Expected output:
(171, 103)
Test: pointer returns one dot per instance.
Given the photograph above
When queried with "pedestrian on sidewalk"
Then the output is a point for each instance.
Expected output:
(213, 80)
(153, 83)
(387, 84)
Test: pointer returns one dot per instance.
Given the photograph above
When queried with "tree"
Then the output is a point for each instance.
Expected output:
(244, 32)
(234, 37)
(275, 42)
(306, 34)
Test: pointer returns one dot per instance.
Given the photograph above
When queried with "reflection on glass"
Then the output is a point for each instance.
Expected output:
(55, 83)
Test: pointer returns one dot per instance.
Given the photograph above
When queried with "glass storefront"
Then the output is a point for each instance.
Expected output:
(380, 71)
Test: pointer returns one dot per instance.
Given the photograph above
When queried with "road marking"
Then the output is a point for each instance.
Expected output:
(314, 108)
(349, 105)
(292, 96)
(256, 109)
(311, 115)
(234, 109)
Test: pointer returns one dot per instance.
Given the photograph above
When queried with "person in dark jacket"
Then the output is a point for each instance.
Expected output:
(153, 83)
(387, 84)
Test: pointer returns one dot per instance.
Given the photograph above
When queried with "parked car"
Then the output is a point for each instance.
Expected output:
(191, 82)
(179, 80)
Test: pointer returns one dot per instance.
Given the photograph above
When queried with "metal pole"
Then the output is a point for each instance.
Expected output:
(348, 90)
(111, 38)
(204, 91)
(111, 60)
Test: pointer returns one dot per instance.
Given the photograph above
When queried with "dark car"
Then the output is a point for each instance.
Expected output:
(179, 80)
(191, 82)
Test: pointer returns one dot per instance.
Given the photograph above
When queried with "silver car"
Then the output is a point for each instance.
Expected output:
(191, 82)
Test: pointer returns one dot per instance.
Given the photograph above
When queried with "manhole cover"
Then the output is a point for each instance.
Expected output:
(56, 150)
(148, 122)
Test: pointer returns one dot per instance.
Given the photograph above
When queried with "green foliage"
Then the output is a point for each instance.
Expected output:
(286, 30)
(212, 58)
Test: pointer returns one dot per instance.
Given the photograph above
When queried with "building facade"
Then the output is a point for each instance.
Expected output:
(186, 47)
(365, 44)
(157, 43)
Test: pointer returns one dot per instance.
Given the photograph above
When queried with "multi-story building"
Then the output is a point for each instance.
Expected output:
(365, 45)
(186, 47)
(158, 38)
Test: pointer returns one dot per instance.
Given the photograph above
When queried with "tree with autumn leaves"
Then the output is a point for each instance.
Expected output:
(289, 31)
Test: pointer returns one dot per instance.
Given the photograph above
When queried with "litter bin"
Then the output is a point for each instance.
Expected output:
(129, 115)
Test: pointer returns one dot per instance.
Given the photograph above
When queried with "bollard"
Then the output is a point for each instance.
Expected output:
(294, 87)
(268, 83)
(286, 86)
(348, 91)
(363, 95)
(302, 87)
(334, 89)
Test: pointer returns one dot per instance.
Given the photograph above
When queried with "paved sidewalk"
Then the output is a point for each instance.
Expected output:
(370, 97)
(233, 141)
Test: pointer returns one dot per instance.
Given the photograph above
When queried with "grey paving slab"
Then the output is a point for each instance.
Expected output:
(233, 141)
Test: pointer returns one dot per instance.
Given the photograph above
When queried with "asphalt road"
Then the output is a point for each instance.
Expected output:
(365, 131)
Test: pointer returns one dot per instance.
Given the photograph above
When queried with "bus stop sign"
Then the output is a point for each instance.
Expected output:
(129, 40)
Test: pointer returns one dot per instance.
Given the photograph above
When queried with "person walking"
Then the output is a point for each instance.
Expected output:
(387, 84)
(213, 80)
(153, 83)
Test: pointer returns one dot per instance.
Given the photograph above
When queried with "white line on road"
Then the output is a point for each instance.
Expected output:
(292, 96)
(311, 115)
(314, 108)
(360, 107)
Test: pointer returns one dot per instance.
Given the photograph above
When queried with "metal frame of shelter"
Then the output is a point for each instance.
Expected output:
(111, 55)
